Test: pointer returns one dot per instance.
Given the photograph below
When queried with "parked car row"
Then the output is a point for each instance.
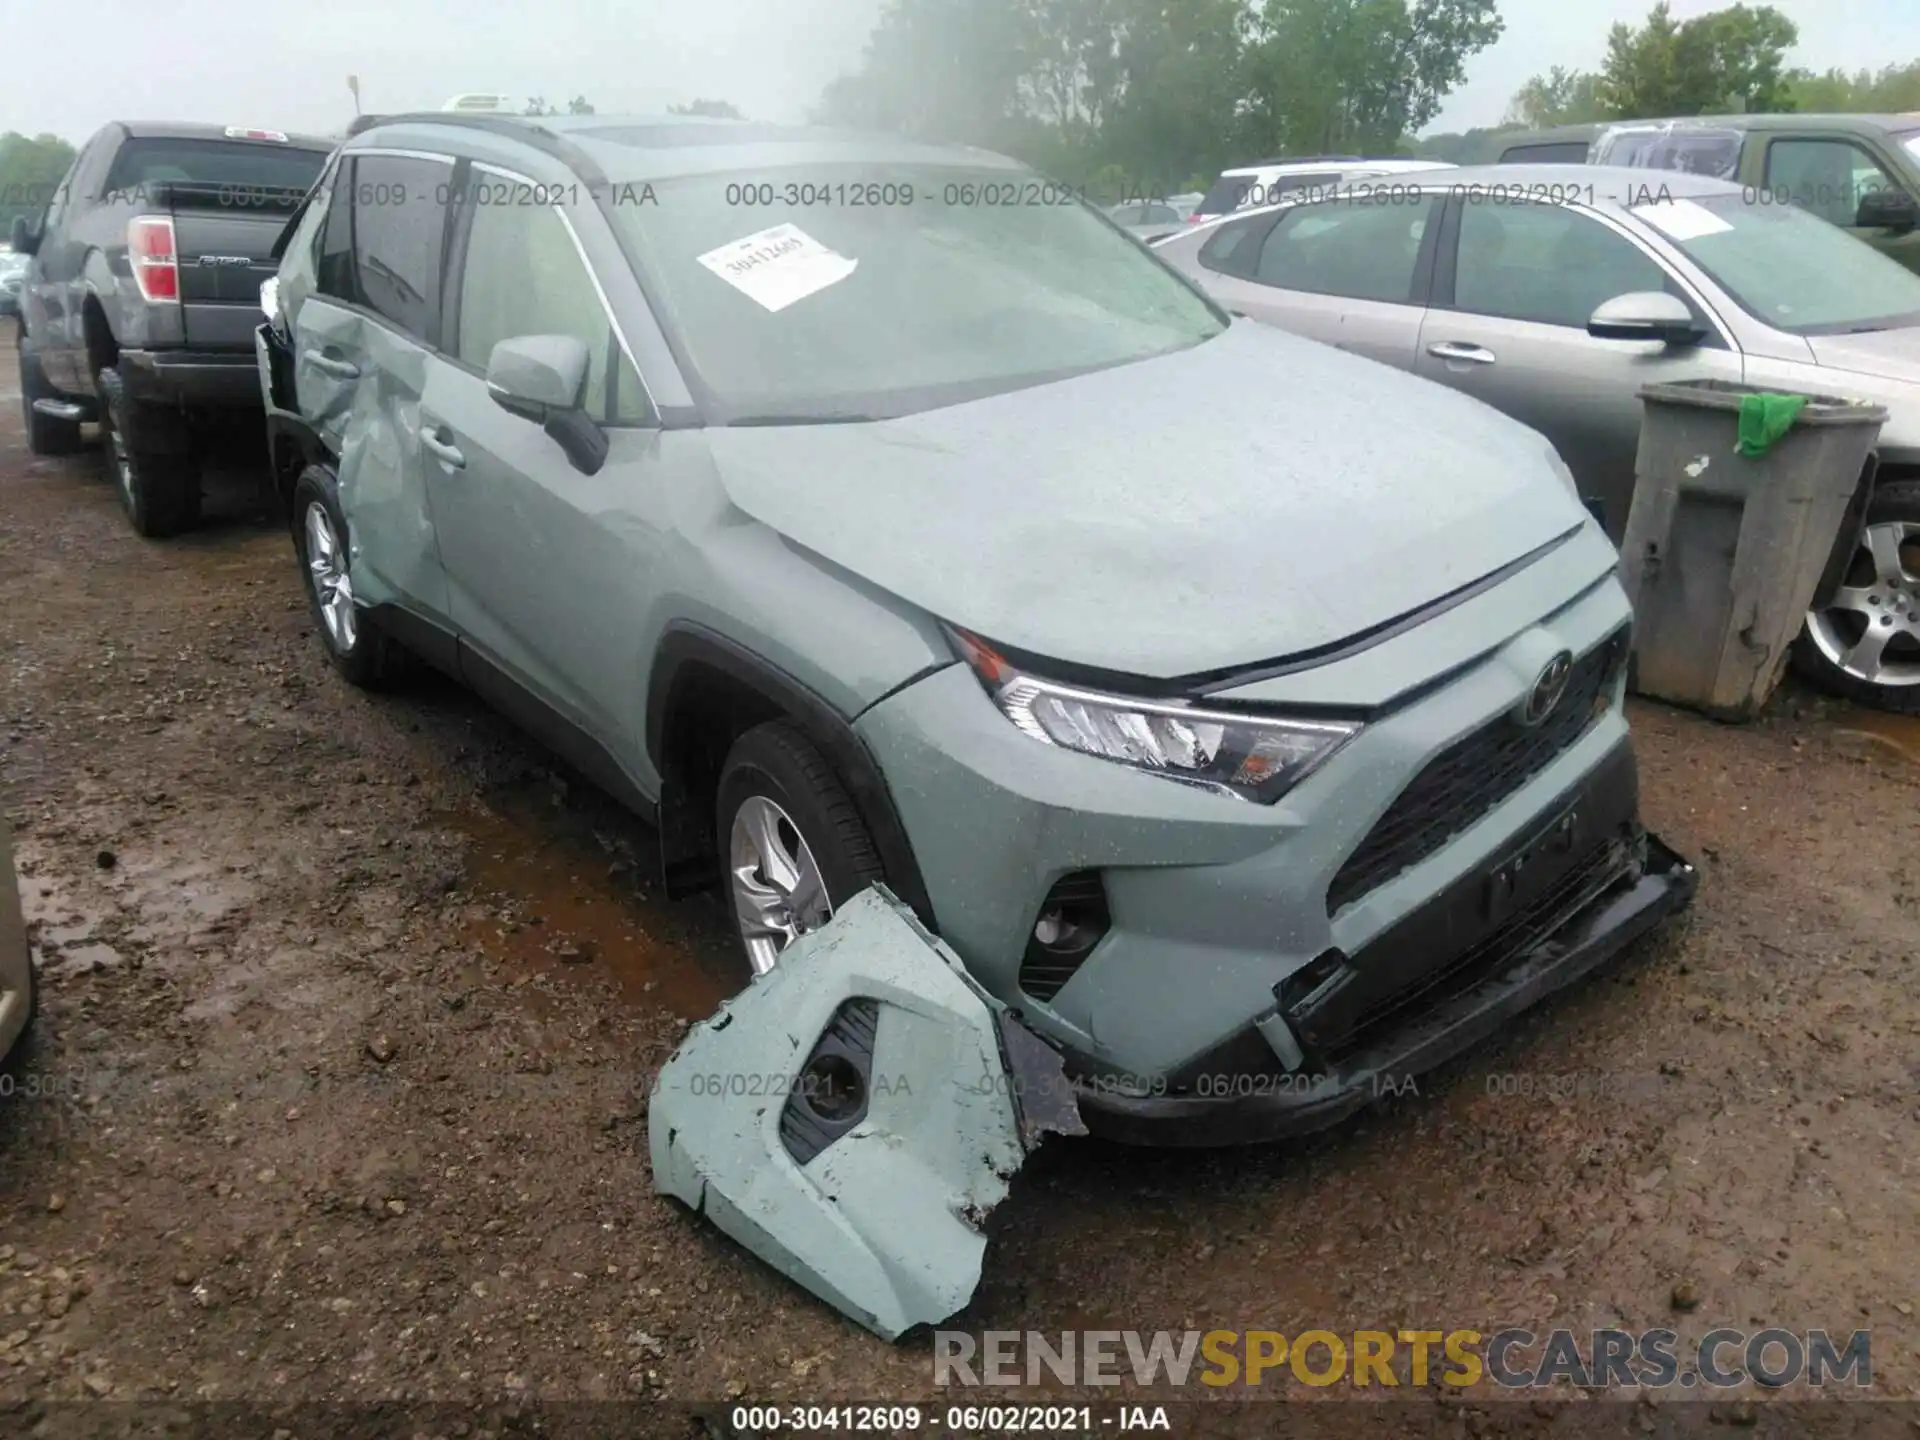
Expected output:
(1250, 187)
(1554, 295)
(13, 273)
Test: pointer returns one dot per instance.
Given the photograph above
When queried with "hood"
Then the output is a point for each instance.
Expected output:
(1244, 500)
(1892, 354)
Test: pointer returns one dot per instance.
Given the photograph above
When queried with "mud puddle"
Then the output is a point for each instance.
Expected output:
(573, 897)
(1895, 736)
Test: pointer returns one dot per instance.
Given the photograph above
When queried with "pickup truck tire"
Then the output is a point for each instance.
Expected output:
(46, 434)
(356, 646)
(160, 492)
(1879, 600)
(781, 815)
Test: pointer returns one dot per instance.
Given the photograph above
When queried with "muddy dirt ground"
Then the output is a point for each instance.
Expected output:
(349, 1006)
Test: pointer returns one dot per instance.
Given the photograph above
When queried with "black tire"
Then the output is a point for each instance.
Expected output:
(1895, 502)
(365, 656)
(777, 762)
(46, 435)
(159, 490)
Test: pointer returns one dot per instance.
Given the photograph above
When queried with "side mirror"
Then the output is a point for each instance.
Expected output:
(1646, 315)
(1887, 210)
(540, 378)
(22, 236)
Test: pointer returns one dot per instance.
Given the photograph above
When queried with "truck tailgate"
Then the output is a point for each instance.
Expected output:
(224, 237)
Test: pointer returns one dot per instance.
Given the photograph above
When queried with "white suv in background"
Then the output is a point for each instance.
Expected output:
(1249, 186)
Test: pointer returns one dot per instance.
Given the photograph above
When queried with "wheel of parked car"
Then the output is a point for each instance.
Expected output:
(354, 642)
(46, 434)
(792, 845)
(159, 490)
(1865, 645)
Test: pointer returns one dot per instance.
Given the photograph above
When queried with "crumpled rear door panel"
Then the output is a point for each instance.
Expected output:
(359, 384)
(854, 1115)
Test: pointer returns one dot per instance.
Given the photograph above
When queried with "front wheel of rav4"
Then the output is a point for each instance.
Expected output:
(353, 642)
(1865, 645)
(792, 845)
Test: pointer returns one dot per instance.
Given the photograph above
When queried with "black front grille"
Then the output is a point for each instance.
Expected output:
(1594, 873)
(1467, 780)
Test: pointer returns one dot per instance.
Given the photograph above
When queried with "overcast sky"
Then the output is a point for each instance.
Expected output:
(285, 66)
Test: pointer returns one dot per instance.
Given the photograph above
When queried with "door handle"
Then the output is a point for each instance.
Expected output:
(445, 451)
(1458, 351)
(330, 365)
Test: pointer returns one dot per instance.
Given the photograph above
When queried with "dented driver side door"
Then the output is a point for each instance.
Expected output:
(362, 340)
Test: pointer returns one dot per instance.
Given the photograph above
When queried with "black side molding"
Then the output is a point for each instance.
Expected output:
(690, 657)
(515, 700)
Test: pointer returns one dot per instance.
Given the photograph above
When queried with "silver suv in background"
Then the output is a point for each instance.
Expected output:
(1554, 293)
(858, 526)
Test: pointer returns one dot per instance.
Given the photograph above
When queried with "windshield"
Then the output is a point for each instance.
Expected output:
(1792, 270)
(840, 293)
(1912, 142)
(142, 163)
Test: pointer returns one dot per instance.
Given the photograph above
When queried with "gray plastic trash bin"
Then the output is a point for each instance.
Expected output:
(1723, 554)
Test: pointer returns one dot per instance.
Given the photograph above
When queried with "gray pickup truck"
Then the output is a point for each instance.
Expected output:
(141, 296)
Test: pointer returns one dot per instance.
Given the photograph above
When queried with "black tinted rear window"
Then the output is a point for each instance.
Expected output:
(264, 164)
(1565, 152)
(1225, 196)
(1224, 249)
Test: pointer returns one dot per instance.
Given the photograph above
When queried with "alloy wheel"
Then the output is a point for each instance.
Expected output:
(1871, 628)
(327, 574)
(778, 891)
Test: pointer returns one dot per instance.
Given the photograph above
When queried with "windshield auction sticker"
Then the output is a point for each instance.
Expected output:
(1682, 219)
(778, 266)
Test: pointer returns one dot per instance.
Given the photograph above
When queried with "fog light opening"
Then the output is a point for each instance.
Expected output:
(1073, 919)
(832, 1088)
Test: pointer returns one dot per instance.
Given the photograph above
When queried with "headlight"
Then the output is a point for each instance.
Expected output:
(1255, 758)
(270, 297)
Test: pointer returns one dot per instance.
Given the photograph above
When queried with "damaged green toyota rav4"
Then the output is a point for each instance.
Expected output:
(1245, 716)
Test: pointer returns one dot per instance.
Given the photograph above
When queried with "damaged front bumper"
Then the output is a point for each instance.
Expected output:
(854, 1115)
(1583, 917)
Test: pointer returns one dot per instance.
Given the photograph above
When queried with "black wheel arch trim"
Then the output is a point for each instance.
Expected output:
(307, 449)
(685, 649)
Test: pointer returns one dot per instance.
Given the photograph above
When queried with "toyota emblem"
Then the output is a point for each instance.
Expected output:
(1547, 690)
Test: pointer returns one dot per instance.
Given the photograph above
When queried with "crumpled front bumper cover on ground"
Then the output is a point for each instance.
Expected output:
(854, 1115)
(1606, 920)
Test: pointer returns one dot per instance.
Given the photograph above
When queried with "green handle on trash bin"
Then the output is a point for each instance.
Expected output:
(1764, 419)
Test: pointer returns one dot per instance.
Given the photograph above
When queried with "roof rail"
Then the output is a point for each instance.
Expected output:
(518, 127)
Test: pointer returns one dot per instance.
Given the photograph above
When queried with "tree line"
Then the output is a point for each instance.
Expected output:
(1728, 61)
(1161, 93)
(1145, 96)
